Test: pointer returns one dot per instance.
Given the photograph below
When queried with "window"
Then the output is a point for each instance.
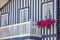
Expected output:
(47, 9)
(24, 15)
(47, 13)
(4, 20)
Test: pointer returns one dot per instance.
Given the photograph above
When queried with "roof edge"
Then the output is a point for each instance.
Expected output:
(5, 5)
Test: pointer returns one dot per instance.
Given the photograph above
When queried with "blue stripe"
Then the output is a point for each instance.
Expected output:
(57, 19)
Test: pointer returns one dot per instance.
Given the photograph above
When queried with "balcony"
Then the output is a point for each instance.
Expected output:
(20, 30)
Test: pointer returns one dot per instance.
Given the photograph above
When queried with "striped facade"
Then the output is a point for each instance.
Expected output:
(59, 18)
(20, 11)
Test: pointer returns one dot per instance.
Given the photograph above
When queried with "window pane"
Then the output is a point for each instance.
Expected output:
(44, 11)
(24, 15)
(4, 20)
(21, 16)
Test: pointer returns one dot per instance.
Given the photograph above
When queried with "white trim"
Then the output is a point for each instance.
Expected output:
(21, 36)
(35, 35)
(15, 25)
(15, 36)
(29, 23)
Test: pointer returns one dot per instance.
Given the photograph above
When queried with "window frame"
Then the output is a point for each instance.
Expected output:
(22, 15)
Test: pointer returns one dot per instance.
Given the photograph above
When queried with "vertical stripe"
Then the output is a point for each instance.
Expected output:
(16, 10)
(34, 10)
(9, 12)
(10, 19)
(4, 10)
(56, 11)
(29, 9)
(8, 7)
(18, 13)
(39, 13)
(32, 16)
(0, 18)
(19, 4)
(24, 2)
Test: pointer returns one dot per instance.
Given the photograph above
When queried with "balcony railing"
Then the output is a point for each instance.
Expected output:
(20, 30)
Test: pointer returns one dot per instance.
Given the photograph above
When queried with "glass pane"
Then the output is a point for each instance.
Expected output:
(24, 15)
(44, 11)
(21, 16)
(4, 20)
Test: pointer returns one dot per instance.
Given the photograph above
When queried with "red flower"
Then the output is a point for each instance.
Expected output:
(45, 23)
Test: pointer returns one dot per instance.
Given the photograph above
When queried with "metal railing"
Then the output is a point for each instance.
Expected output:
(19, 30)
